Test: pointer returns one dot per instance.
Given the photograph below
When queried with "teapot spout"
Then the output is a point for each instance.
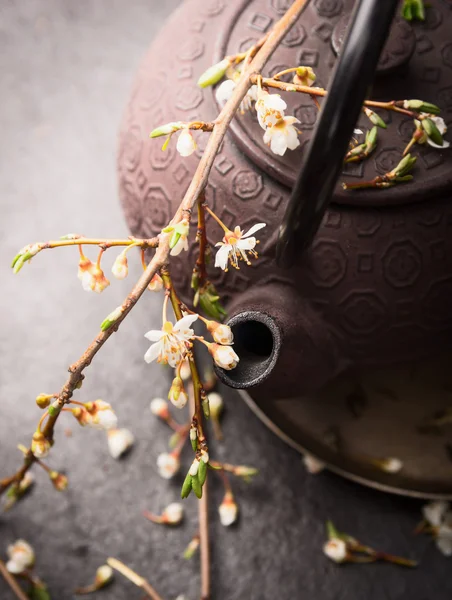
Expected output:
(285, 346)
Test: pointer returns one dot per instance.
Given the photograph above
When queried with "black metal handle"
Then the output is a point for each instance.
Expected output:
(322, 163)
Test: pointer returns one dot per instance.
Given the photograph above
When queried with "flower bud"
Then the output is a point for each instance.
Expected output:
(111, 318)
(224, 356)
(177, 394)
(59, 480)
(185, 371)
(186, 144)
(168, 464)
(97, 414)
(204, 456)
(120, 268)
(104, 575)
(21, 557)
(221, 333)
(159, 408)
(173, 514)
(194, 468)
(375, 118)
(214, 73)
(336, 550)
(167, 129)
(304, 76)
(40, 445)
(24, 255)
(228, 510)
(156, 284)
(43, 400)
(194, 438)
(245, 472)
(192, 547)
(71, 236)
(430, 128)
(421, 106)
(216, 404)
(119, 441)
(15, 492)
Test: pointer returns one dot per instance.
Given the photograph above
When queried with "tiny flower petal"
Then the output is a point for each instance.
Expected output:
(168, 465)
(224, 91)
(173, 513)
(434, 512)
(119, 441)
(336, 550)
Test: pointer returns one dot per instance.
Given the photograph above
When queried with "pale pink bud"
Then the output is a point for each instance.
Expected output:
(120, 268)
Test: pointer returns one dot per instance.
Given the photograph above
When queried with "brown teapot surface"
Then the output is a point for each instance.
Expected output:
(374, 288)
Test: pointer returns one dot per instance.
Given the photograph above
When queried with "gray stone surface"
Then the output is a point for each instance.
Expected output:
(66, 69)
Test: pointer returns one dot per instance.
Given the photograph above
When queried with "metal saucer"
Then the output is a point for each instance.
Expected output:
(399, 413)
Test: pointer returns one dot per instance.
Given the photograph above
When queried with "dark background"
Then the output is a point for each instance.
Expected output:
(66, 68)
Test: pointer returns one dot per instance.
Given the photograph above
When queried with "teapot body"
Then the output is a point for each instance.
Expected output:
(375, 287)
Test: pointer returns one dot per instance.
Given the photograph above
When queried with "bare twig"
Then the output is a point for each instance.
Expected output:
(132, 576)
(10, 580)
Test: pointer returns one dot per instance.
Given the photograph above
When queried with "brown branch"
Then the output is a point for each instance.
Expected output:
(129, 574)
(393, 105)
(204, 546)
(202, 237)
(102, 242)
(10, 580)
(192, 194)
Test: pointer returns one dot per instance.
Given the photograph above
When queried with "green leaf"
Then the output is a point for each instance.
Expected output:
(186, 486)
(39, 592)
(196, 485)
(202, 472)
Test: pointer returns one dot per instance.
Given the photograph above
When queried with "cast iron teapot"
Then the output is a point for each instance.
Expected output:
(363, 278)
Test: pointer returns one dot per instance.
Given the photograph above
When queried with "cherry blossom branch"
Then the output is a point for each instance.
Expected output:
(103, 243)
(12, 583)
(400, 106)
(202, 238)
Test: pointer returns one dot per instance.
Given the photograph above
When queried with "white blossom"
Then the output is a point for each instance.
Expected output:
(270, 108)
(224, 92)
(235, 246)
(434, 512)
(170, 342)
(21, 557)
(97, 414)
(282, 136)
(336, 550)
(120, 267)
(224, 356)
(180, 237)
(173, 513)
(186, 144)
(119, 441)
(168, 464)
(443, 539)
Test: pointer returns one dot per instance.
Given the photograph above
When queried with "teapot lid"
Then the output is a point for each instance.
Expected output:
(415, 64)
